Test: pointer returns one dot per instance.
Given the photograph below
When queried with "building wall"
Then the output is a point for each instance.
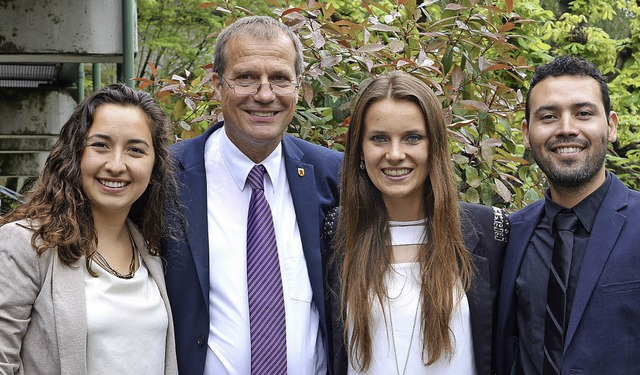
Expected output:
(87, 27)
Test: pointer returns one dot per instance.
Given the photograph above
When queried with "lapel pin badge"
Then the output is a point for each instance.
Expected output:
(301, 172)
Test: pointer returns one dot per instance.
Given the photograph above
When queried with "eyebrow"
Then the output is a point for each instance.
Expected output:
(108, 138)
(585, 104)
(281, 72)
(552, 107)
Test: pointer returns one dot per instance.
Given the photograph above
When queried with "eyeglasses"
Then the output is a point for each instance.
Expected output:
(246, 89)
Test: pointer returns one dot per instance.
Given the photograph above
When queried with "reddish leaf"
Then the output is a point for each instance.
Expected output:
(509, 4)
(498, 67)
(145, 83)
(154, 71)
(291, 10)
(507, 26)
(206, 5)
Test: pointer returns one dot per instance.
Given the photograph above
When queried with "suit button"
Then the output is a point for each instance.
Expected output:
(201, 340)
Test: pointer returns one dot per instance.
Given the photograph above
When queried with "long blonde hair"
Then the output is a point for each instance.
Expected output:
(363, 240)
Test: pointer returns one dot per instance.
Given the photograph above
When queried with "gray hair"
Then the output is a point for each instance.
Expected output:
(260, 27)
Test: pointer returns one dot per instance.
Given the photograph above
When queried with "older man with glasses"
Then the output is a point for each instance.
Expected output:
(245, 279)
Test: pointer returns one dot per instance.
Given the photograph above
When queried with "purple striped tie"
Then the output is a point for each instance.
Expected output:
(266, 299)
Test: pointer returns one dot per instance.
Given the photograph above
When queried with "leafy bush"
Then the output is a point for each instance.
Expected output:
(475, 54)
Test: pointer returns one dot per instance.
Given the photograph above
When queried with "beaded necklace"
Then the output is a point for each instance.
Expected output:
(99, 260)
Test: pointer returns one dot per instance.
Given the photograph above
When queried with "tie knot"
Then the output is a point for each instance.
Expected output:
(256, 177)
(566, 220)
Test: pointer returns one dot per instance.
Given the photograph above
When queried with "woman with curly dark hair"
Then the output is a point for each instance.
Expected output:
(81, 283)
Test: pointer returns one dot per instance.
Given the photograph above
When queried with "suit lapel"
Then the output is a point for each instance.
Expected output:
(523, 223)
(70, 314)
(605, 232)
(479, 299)
(302, 184)
(192, 177)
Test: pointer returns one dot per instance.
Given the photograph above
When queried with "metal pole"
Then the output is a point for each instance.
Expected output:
(80, 82)
(128, 41)
(97, 76)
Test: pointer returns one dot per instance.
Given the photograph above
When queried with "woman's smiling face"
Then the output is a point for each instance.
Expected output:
(395, 151)
(118, 159)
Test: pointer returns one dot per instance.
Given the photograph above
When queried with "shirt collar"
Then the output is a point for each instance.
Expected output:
(239, 165)
(586, 210)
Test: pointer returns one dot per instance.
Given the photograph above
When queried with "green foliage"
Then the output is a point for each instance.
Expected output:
(597, 9)
(581, 31)
(571, 37)
(464, 51)
(179, 35)
(477, 55)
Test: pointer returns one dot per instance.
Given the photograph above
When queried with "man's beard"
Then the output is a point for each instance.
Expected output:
(573, 174)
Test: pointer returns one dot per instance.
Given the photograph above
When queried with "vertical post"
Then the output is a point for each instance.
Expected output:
(80, 82)
(97, 76)
(128, 41)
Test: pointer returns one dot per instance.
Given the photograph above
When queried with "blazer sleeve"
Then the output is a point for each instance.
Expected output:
(20, 284)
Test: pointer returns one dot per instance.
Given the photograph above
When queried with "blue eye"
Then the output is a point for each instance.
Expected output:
(414, 138)
(379, 138)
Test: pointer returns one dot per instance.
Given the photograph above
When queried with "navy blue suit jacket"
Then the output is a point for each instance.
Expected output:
(187, 273)
(603, 334)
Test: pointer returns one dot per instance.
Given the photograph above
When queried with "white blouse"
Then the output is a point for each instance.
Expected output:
(127, 323)
(400, 346)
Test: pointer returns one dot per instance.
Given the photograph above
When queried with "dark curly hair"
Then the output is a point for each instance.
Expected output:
(569, 66)
(57, 209)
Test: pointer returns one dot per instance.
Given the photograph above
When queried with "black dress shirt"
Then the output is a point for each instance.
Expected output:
(531, 283)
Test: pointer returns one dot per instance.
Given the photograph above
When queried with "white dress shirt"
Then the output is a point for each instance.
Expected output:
(228, 195)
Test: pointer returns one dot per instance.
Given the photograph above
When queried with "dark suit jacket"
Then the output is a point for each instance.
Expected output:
(314, 192)
(603, 335)
(485, 231)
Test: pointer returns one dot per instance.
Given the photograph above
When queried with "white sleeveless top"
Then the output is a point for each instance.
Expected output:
(402, 283)
(127, 323)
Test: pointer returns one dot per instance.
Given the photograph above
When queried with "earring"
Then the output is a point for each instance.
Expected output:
(362, 165)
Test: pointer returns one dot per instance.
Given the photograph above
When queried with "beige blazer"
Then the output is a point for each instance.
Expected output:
(43, 325)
